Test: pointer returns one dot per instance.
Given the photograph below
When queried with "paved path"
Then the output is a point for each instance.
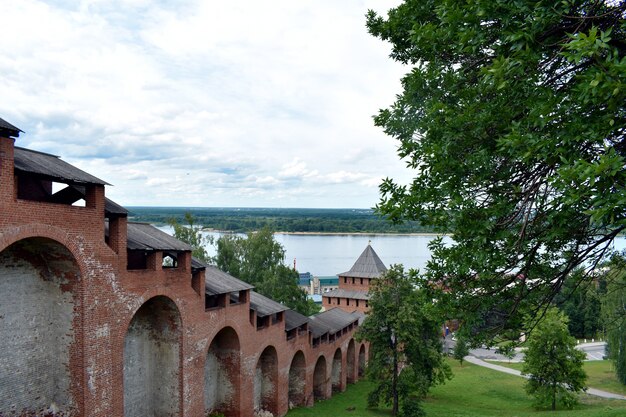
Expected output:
(592, 391)
(594, 351)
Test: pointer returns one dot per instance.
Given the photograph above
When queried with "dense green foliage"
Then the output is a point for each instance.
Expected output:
(402, 337)
(553, 364)
(580, 301)
(190, 233)
(513, 118)
(259, 260)
(614, 315)
(284, 220)
(461, 349)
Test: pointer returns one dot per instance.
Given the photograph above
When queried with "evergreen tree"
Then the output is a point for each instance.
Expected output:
(403, 338)
(461, 349)
(553, 364)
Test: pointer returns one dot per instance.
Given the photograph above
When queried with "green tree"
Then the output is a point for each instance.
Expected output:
(581, 302)
(403, 337)
(259, 260)
(191, 234)
(513, 117)
(461, 349)
(553, 364)
(613, 313)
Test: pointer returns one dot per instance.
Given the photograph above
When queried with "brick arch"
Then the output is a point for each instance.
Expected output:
(45, 278)
(266, 381)
(320, 379)
(138, 302)
(13, 235)
(296, 394)
(362, 361)
(152, 374)
(127, 311)
(222, 373)
(336, 372)
(350, 362)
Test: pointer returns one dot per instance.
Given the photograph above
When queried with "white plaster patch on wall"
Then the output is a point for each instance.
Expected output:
(91, 383)
(102, 331)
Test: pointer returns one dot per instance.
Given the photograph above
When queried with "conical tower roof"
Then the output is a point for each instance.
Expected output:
(368, 265)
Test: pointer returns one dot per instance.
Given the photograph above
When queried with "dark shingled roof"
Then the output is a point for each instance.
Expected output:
(197, 264)
(334, 319)
(51, 167)
(353, 294)
(8, 130)
(317, 328)
(368, 265)
(294, 319)
(112, 208)
(219, 282)
(264, 306)
(142, 236)
(359, 315)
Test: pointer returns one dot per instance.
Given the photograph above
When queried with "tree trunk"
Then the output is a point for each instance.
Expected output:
(394, 383)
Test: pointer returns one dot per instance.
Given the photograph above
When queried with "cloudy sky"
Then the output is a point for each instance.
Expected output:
(205, 103)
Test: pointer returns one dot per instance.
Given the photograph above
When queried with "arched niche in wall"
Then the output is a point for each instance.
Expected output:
(152, 360)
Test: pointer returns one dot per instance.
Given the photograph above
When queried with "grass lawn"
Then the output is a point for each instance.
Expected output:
(600, 375)
(473, 392)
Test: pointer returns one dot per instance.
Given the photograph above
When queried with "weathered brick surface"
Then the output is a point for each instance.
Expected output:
(90, 337)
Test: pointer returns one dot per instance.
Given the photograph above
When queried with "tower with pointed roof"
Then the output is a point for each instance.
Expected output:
(352, 294)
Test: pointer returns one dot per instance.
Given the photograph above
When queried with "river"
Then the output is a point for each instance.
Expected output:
(326, 255)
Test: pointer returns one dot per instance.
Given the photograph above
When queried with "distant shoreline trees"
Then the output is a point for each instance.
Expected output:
(244, 220)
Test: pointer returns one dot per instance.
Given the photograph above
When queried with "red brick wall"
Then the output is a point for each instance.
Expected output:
(355, 284)
(109, 296)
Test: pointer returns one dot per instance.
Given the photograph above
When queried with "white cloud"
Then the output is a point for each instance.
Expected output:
(296, 169)
(218, 103)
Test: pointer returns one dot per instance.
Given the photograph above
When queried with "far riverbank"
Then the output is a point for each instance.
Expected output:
(210, 230)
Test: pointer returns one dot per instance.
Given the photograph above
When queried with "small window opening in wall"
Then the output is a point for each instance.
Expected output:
(252, 317)
(277, 318)
(214, 301)
(345, 280)
(170, 261)
(262, 322)
(316, 341)
(291, 334)
(60, 192)
(34, 188)
(137, 259)
(353, 280)
(361, 281)
(233, 298)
